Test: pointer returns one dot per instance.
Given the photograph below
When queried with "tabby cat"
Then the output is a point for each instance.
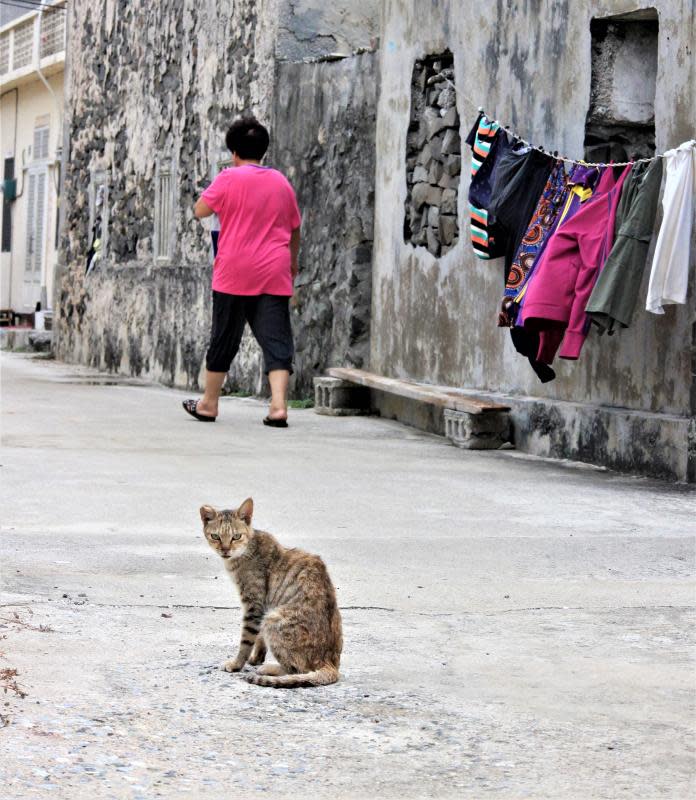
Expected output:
(288, 601)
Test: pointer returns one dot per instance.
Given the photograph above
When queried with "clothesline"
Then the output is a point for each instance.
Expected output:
(576, 243)
(555, 154)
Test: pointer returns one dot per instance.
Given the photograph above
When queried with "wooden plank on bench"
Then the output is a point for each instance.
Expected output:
(417, 391)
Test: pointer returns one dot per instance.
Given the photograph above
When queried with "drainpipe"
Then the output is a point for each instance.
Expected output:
(43, 77)
(64, 156)
(47, 227)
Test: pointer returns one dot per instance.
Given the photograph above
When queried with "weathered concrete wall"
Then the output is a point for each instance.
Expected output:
(313, 28)
(151, 80)
(325, 118)
(435, 319)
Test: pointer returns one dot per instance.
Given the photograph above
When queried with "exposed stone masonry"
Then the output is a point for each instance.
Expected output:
(433, 157)
(621, 117)
(136, 96)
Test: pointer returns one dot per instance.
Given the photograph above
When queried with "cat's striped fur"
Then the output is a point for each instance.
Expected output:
(288, 601)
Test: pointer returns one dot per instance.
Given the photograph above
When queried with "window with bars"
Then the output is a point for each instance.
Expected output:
(23, 44)
(41, 134)
(5, 53)
(52, 31)
(164, 210)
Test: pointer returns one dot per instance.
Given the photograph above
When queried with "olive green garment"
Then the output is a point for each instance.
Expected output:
(615, 294)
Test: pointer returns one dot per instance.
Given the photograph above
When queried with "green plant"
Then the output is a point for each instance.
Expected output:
(307, 402)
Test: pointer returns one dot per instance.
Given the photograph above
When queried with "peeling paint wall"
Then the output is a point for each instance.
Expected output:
(529, 63)
(149, 81)
(331, 164)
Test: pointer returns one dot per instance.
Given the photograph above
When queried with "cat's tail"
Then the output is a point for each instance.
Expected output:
(319, 677)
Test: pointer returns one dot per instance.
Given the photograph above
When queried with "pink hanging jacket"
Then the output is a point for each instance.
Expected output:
(567, 272)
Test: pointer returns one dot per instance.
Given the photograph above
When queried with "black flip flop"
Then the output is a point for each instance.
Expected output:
(190, 407)
(275, 423)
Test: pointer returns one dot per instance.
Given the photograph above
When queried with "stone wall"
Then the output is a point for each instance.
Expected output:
(325, 118)
(434, 318)
(154, 84)
(135, 95)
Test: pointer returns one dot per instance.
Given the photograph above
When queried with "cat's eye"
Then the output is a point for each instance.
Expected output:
(237, 536)
(215, 536)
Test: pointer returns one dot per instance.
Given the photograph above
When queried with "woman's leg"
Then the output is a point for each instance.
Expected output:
(270, 323)
(279, 380)
(225, 336)
(208, 404)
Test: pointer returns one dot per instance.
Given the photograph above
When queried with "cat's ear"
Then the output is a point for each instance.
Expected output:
(208, 513)
(246, 510)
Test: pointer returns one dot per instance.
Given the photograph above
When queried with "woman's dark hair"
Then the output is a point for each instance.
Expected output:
(247, 138)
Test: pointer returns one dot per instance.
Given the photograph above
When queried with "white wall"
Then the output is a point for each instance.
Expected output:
(32, 101)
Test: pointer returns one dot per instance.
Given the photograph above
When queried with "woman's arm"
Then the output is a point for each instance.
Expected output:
(202, 209)
(294, 251)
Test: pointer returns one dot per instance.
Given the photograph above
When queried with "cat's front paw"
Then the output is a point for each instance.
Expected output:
(233, 665)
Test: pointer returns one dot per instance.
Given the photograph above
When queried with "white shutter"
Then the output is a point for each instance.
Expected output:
(36, 224)
(40, 143)
(31, 217)
(40, 221)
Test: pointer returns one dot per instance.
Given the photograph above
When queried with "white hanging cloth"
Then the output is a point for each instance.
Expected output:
(669, 275)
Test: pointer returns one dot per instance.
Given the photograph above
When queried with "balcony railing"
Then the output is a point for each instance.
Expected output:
(26, 42)
(53, 31)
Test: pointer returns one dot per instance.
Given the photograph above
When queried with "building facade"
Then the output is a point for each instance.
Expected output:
(32, 59)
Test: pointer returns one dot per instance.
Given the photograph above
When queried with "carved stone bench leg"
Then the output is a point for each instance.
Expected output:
(339, 398)
(487, 431)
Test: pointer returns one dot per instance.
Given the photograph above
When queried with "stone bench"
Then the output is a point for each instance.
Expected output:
(470, 421)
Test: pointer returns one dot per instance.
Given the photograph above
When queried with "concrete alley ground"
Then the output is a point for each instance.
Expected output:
(513, 628)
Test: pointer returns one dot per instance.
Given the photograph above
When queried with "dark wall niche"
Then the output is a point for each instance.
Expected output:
(433, 157)
(621, 117)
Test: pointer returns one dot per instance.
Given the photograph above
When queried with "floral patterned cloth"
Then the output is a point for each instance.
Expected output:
(541, 225)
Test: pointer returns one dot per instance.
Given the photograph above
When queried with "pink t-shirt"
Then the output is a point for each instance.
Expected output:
(258, 211)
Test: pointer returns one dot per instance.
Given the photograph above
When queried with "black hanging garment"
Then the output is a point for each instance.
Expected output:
(519, 181)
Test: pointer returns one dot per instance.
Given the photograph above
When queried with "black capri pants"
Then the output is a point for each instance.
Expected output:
(268, 316)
